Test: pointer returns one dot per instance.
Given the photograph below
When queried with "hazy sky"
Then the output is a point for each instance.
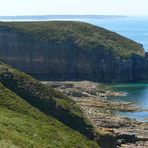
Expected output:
(40, 7)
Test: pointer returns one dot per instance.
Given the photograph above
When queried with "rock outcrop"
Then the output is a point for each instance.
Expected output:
(71, 50)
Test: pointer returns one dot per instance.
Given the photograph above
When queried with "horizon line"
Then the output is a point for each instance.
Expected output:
(26, 15)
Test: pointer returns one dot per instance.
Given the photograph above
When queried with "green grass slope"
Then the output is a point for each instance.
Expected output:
(46, 99)
(84, 36)
(22, 125)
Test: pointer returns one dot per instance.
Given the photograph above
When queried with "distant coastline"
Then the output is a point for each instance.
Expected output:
(48, 17)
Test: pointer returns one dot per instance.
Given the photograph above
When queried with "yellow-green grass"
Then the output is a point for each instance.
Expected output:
(46, 99)
(22, 125)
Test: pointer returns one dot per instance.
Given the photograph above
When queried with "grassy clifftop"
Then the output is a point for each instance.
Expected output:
(22, 125)
(46, 99)
(83, 35)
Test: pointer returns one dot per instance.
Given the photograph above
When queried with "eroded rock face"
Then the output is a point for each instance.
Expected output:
(140, 68)
(66, 60)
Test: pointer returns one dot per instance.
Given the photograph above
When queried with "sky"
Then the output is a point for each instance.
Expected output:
(50, 7)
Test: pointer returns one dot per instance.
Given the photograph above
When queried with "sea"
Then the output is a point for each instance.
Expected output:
(132, 27)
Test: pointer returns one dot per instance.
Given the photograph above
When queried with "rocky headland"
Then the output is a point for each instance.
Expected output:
(68, 50)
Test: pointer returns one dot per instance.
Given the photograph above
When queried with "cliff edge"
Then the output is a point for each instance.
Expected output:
(66, 50)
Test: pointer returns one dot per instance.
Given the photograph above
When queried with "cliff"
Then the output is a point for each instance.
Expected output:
(46, 99)
(34, 114)
(22, 125)
(60, 50)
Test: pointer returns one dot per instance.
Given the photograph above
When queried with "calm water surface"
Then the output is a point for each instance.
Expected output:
(136, 93)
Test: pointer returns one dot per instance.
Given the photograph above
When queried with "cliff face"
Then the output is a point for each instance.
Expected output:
(71, 50)
(140, 68)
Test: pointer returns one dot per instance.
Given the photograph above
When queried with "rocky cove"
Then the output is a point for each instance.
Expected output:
(92, 98)
(62, 54)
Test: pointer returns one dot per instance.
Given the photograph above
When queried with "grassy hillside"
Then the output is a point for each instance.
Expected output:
(83, 35)
(22, 125)
(46, 99)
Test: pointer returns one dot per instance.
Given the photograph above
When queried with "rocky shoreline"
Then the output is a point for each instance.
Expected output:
(92, 98)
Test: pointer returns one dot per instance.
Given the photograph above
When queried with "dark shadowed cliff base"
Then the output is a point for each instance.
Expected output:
(59, 50)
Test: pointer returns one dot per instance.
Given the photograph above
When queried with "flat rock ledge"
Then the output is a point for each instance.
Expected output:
(92, 98)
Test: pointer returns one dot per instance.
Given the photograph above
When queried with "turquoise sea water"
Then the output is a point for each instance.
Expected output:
(135, 28)
(136, 93)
